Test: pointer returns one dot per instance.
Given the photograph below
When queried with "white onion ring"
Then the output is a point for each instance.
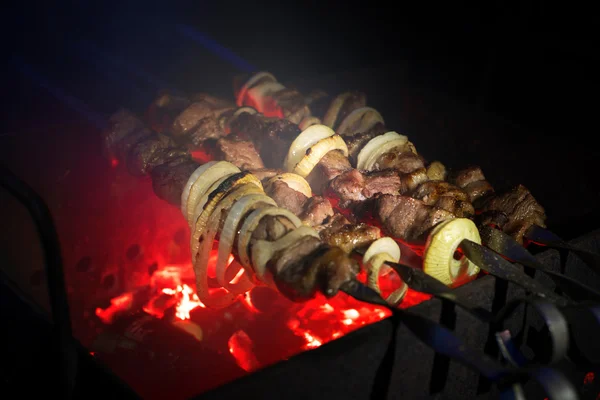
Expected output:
(251, 223)
(334, 109)
(204, 180)
(372, 145)
(304, 141)
(308, 121)
(188, 186)
(318, 151)
(367, 116)
(294, 181)
(251, 81)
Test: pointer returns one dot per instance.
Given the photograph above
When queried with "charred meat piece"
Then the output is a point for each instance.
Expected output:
(473, 182)
(286, 197)
(349, 236)
(520, 208)
(400, 159)
(331, 165)
(407, 218)
(356, 142)
(429, 192)
(164, 110)
(240, 153)
(354, 185)
(460, 208)
(169, 179)
(122, 124)
(199, 122)
(292, 103)
(272, 137)
(152, 151)
(317, 209)
(309, 266)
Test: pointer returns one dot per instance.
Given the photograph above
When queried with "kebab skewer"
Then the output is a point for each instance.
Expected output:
(299, 262)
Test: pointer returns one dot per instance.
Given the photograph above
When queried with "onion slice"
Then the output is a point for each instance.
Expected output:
(263, 250)
(188, 186)
(230, 228)
(441, 244)
(374, 145)
(318, 151)
(304, 141)
(245, 109)
(379, 252)
(251, 223)
(209, 202)
(334, 109)
(360, 120)
(250, 82)
(294, 181)
(201, 180)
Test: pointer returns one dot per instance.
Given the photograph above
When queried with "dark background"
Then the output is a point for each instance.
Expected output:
(510, 86)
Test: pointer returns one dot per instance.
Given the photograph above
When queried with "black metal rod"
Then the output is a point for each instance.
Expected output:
(59, 305)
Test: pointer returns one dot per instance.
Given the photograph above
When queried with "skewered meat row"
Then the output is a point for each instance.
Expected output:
(271, 237)
(360, 126)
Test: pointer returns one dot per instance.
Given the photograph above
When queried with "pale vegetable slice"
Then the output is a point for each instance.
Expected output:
(263, 250)
(260, 94)
(386, 148)
(228, 232)
(230, 227)
(188, 186)
(318, 151)
(294, 181)
(440, 248)
(308, 121)
(360, 120)
(379, 252)
(214, 298)
(204, 179)
(436, 171)
(373, 145)
(209, 202)
(251, 223)
(334, 109)
(250, 82)
(304, 141)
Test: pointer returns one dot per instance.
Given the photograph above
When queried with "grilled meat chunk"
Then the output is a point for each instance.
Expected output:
(354, 185)
(317, 209)
(520, 209)
(150, 152)
(331, 165)
(406, 218)
(400, 159)
(292, 103)
(164, 110)
(348, 236)
(264, 174)
(239, 152)
(309, 266)
(169, 179)
(286, 197)
(272, 137)
(473, 182)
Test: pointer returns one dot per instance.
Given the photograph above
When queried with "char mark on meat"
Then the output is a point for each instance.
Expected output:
(400, 159)
(407, 218)
(348, 236)
(473, 182)
(519, 210)
(317, 209)
(333, 164)
(239, 152)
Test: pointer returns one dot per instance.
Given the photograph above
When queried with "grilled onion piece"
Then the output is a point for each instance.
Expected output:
(304, 141)
(379, 252)
(294, 181)
(436, 171)
(377, 147)
(439, 258)
(308, 121)
(251, 223)
(195, 187)
(334, 109)
(318, 151)
(360, 120)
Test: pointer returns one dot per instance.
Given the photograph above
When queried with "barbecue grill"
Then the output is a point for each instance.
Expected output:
(125, 253)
